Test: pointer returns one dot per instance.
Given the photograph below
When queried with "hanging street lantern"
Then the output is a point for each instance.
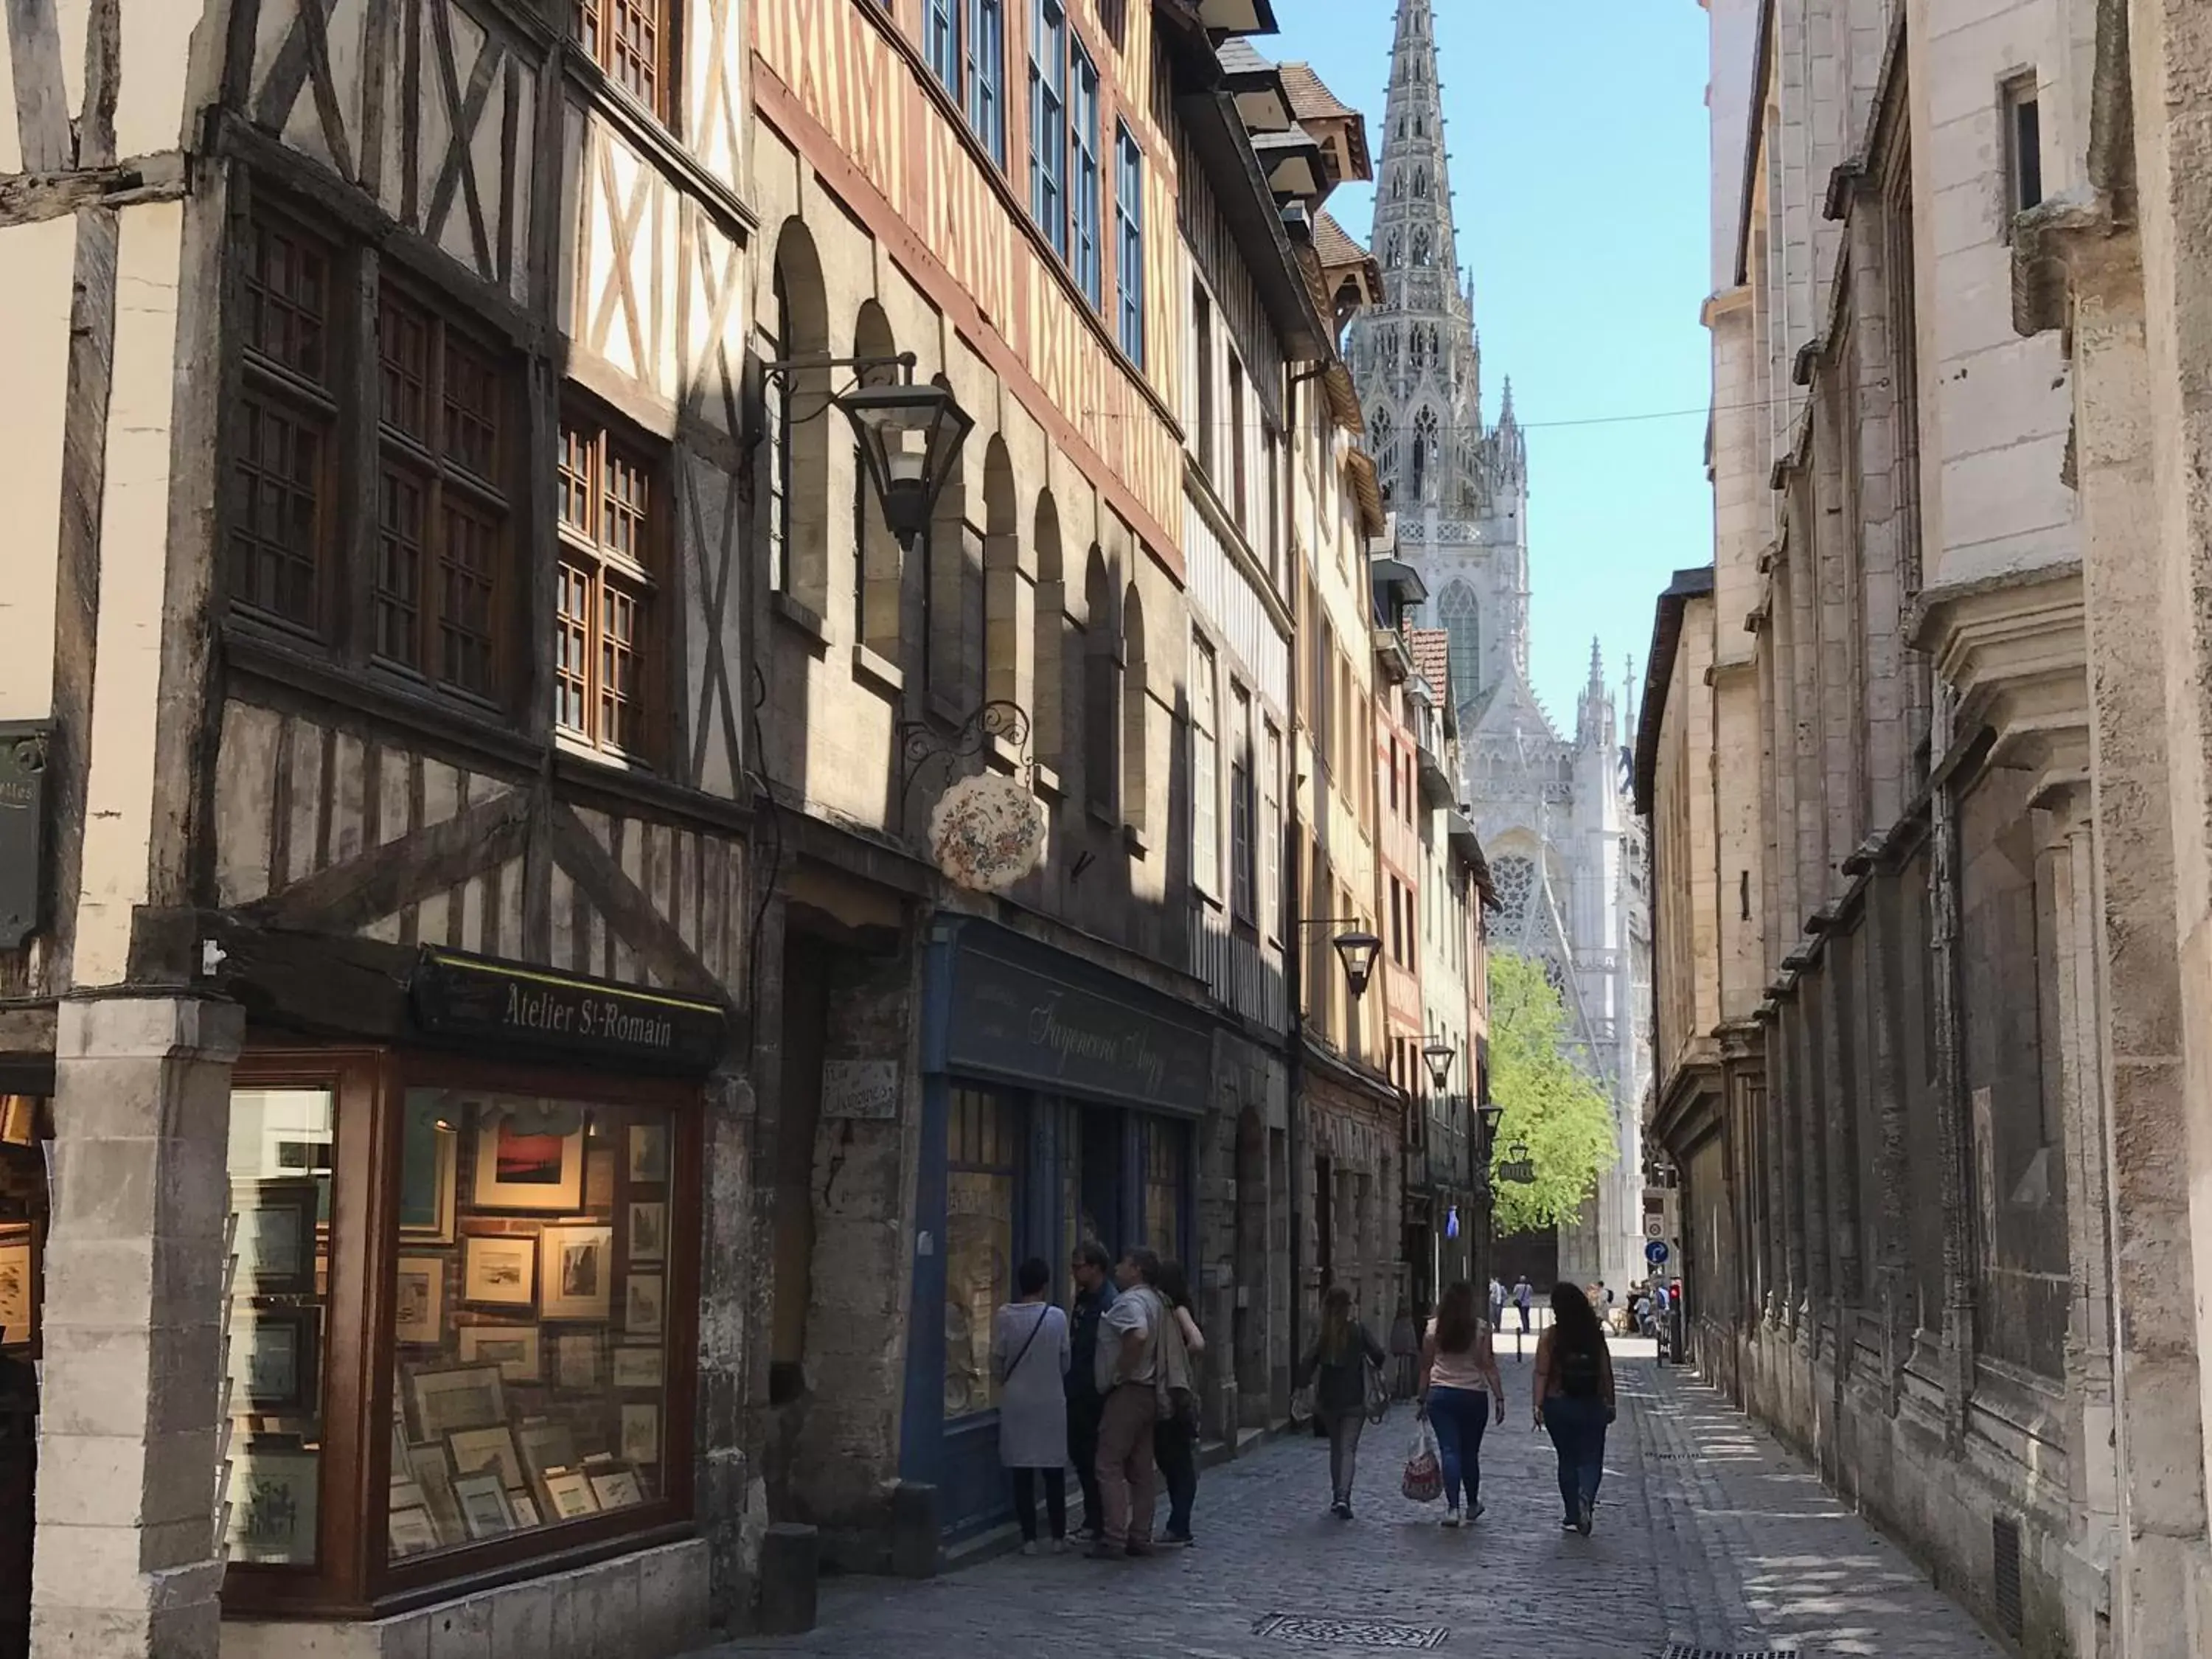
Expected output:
(1357, 952)
(1439, 1053)
(910, 439)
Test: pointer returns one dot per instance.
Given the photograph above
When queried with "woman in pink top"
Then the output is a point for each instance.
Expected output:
(1460, 1389)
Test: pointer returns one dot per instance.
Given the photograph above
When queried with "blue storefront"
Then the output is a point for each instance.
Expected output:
(1059, 1101)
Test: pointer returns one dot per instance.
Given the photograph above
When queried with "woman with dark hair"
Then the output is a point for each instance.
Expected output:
(1574, 1401)
(1336, 1365)
(1460, 1387)
(1029, 1354)
(1174, 1442)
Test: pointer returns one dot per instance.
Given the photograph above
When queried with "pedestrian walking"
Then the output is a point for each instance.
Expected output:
(1128, 1375)
(1575, 1402)
(1030, 1351)
(1174, 1436)
(1405, 1351)
(1336, 1368)
(1094, 1293)
(1496, 1304)
(1460, 1387)
(1524, 1295)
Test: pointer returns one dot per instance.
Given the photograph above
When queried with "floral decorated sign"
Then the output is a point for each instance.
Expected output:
(987, 833)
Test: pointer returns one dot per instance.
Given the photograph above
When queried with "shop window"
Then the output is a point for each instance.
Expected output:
(482, 1363)
(981, 1162)
(1167, 1184)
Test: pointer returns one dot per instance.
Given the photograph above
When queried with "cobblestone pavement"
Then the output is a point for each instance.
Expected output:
(1709, 1536)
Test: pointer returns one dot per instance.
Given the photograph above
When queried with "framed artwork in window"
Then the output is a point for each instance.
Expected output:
(274, 1354)
(457, 1397)
(433, 1477)
(499, 1272)
(649, 1231)
(485, 1510)
(412, 1532)
(616, 1487)
(273, 1505)
(576, 1366)
(517, 1349)
(648, 1154)
(19, 1284)
(478, 1450)
(577, 1265)
(275, 1238)
(570, 1494)
(643, 1309)
(418, 1305)
(428, 1169)
(637, 1367)
(529, 1159)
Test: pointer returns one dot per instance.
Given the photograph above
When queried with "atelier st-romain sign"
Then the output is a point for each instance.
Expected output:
(460, 999)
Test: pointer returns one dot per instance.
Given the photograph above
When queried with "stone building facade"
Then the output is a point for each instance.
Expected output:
(1924, 1063)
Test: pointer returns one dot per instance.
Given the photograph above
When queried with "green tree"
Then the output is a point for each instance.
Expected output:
(1552, 1107)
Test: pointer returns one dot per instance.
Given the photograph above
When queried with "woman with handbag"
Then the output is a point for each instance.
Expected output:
(1174, 1441)
(1460, 1388)
(1338, 1367)
(1030, 1351)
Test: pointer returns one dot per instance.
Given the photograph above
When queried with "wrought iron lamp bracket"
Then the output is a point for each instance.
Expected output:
(926, 743)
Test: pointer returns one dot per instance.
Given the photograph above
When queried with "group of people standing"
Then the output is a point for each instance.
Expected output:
(1109, 1387)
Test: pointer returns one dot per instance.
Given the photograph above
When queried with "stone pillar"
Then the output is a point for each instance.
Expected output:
(128, 1562)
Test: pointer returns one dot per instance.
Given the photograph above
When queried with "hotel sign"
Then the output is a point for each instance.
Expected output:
(467, 1000)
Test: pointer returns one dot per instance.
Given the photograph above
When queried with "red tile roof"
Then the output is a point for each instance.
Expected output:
(1433, 659)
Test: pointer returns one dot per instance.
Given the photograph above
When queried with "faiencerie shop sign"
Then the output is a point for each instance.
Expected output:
(1017, 1015)
(467, 1002)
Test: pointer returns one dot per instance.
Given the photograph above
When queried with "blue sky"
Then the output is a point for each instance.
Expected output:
(1579, 161)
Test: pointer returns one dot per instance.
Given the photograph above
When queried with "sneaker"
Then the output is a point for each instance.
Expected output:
(1584, 1518)
(1451, 1518)
(1474, 1512)
(1341, 1509)
(1176, 1540)
(1060, 1546)
(1573, 1523)
(1030, 1546)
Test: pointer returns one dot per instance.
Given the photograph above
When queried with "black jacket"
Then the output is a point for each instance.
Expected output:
(1341, 1382)
(1083, 1342)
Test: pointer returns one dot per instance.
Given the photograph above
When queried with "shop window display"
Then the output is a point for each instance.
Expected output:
(530, 1383)
(1167, 1175)
(983, 1147)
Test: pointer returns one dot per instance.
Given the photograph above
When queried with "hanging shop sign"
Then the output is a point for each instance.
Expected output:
(468, 1000)
(987, 832)
(23, 750)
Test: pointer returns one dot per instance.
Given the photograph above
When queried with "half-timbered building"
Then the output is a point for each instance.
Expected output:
(377, 723)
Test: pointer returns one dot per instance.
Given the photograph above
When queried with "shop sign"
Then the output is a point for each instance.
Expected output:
(23, 749)
(464, 1000)
(865, 1089)
(1024, 1011)
(988, 833)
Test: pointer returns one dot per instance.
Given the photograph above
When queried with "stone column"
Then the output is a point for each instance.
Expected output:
(1790, 1025)
(1886, 1078)
(1959, 1263)
(129, 1565)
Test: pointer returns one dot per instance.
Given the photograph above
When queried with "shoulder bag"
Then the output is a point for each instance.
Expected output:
(1015, 1363)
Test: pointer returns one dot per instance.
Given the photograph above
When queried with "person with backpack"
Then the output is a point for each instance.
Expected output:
(1574, 1401)
(1336, 1366)
(1030, 1353)
(1460, 1387)
(1175, 1438)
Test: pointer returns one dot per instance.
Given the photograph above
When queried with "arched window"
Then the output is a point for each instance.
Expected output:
(1421, 249)
(1426, 456)
(999, 665)
(1383, 440)
(1420, 348)
(1398, 188)
(1136, 699)
(1461, 618)
(1102, 687)
(1048, 628)
(1421, 126)
(878, 576)
(1420, 184)
(1395, 252)
(1514, 880)
(798, 459)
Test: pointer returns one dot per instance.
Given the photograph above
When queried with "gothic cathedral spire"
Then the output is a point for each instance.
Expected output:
(1458, 487)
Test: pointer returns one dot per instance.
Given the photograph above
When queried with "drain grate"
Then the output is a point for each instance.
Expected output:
(1349, 1632)
(2004, 1546)
(1680, 1650)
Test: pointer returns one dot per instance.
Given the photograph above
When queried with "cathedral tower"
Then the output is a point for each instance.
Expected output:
(1459, 488)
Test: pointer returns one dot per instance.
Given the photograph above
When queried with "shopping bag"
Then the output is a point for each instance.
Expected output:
(1424, 1469)
(1378, 1393)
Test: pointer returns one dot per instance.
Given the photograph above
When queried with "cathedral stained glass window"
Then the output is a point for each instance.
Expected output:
(1514, 880)
(1461, 616)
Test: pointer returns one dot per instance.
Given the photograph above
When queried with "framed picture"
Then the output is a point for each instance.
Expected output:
(570, 1491)
(616, 1488)
(637, 1367)
(19, 1119)
(648, 1153)
(273, 1506)
(598, 1181)
(515, 1349)
(546, 1444)
(478, 1450)
(578, 1263)
(412, 1532)
(640, 1433)
(457, 1397)
(642, 1312)
(649, 1231)
(576, 1363)
(407, 1494)
(529, 1158)
(426, 1170)
(524, 1507)
(434, 1474)
(274, 1354)
(499, 1271)
(276, 1235)
(484, 1509)
(418, 1302)
(19, 1284)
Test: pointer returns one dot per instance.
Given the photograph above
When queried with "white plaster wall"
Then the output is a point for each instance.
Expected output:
(34, 338)
(134, 541)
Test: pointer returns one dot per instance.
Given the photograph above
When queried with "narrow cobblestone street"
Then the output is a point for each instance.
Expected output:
(1710, 1535)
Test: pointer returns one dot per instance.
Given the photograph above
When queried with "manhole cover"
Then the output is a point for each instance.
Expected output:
(1349, 1632)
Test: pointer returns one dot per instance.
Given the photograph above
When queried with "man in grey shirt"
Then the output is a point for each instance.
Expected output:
(1127, 1372)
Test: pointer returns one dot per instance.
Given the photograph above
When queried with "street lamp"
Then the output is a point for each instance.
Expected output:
(1491, 1114)
(1357, 952)
(1439, 1053)
(910, 435)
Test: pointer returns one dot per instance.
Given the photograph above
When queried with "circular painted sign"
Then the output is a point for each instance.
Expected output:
(987, 832)
(1655, 1252)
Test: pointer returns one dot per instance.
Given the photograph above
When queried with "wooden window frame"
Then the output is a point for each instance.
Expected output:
(352, 1579)
(1244, 810)
(593, 27)
(611, 570)
(1129, 243)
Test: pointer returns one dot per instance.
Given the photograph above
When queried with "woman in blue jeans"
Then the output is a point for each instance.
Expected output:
(1575, 1402)
(1459, 1389)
